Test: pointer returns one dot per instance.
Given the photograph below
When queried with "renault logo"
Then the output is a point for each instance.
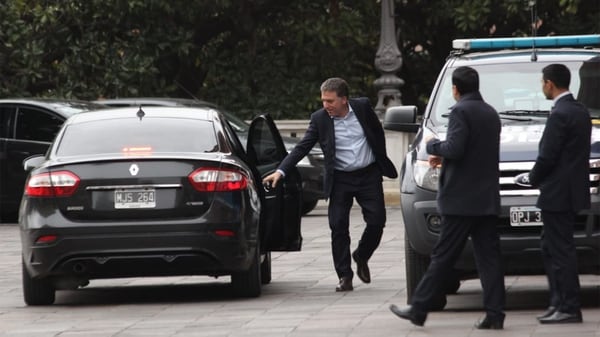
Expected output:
(134, 169)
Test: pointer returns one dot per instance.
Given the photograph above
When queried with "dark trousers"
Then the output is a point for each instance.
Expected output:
(366, 186)
(560, 260)
(451, 242)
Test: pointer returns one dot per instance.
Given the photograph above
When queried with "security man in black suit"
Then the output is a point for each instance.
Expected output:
(561, 172)
(353, 143)
(468, 200)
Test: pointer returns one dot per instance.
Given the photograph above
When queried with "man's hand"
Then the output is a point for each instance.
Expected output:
(428, 138)
(434, 161)
(271, 180)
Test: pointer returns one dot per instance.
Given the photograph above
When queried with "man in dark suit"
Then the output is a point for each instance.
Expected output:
(561, 172)
(468, 200)
(353, 143)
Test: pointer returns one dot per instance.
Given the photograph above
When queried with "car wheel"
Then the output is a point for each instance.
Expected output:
(416, 266)
(308, 206)
(36, 291)
(265, 269)
(247, 283)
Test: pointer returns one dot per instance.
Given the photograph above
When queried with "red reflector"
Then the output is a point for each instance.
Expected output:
(46, 239)
(225, 232)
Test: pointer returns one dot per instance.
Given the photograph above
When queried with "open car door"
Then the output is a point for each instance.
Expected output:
(282, 205)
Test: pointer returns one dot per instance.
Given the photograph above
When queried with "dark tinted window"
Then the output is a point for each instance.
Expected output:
(6, 115)
(262, 145)
(33, 124)
(134, 137)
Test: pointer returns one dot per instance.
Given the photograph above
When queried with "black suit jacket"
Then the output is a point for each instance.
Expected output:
(320, 129)
(470, 177)
(562, 168)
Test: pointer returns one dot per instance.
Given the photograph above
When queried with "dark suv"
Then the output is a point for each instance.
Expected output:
(510, 71)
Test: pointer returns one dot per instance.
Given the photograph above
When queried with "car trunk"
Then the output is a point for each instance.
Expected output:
(136, 189)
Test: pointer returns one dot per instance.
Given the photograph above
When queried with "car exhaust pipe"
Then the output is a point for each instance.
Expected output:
(79, 268)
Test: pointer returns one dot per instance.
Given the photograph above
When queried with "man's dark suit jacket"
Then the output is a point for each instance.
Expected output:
(320, 129)
(561, 170)
(469, 179)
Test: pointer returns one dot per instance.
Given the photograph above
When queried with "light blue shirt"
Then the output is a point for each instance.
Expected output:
(352, 152)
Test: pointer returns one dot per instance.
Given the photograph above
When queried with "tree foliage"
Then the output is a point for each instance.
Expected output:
(250, 56)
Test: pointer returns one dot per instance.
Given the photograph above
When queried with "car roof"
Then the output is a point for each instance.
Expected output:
(238, 123)
(523, 56)
(153, 101)
(63, 106)
(142, 112)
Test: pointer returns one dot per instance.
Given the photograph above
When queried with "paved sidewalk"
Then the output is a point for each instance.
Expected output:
(300, 301)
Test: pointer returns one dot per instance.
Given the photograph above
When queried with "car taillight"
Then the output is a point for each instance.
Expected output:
(54, 184)
(218, 180)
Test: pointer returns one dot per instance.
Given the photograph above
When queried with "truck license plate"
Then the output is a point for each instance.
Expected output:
(525, 216)
(142, 198)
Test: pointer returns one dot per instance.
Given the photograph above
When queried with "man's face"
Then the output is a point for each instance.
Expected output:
(334, 105)
(455, 93)
(546, 88)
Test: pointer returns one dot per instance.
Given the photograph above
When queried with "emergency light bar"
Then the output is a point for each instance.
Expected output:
(527, 42)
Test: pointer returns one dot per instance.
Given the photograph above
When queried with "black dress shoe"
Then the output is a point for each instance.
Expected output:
(551, 309)
(562, 317)
(489, 323)
(416, 318)
(345, 284)
(362, 268)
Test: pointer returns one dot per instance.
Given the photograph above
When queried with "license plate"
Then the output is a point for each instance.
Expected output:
(142, 198)
(525, 216)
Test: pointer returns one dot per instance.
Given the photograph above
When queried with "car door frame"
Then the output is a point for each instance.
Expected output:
(281, 207)
(18, 149)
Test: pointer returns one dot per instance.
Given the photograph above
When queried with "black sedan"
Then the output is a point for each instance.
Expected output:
(155, 191)
(27, 127)
(311, 167)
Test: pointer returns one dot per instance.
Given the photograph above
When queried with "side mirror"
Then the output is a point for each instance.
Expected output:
(401, 118)
(32, 162)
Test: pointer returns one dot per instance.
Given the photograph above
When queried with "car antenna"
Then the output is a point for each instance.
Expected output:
(140, 113)
(186, 91)
(533, 29)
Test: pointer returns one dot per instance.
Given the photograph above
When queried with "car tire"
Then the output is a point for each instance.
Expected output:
(416, 266)
(248, 283)
(308, 206)
(36, 291)
(265, 269)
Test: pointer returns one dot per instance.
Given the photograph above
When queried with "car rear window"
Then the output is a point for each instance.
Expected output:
(132, 136)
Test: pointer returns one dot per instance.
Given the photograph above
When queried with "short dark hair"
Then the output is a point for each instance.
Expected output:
(336, 84)
(559, 74)
(466, 80)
